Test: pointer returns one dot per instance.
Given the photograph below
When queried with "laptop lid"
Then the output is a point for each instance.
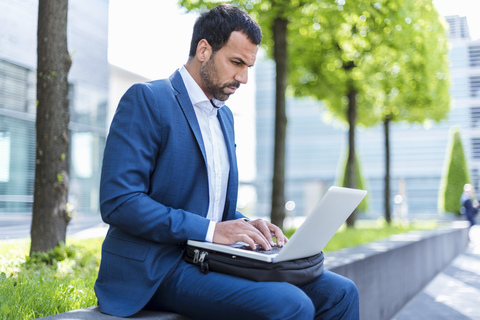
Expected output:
(312, 236)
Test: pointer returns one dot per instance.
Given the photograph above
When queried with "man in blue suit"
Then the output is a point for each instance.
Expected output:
(170, 174)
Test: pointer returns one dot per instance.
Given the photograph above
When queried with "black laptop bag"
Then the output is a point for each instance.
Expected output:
(296, 271)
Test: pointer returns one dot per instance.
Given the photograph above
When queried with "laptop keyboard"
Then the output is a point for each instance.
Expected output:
(259, 249)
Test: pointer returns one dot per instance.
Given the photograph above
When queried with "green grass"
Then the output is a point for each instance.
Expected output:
(368, 231)
(32, 289)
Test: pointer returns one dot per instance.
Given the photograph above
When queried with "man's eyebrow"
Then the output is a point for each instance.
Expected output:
(240, 60)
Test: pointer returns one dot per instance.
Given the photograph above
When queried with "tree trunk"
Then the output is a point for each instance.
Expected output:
(386, 125)
(278, 182)
(50, 215)
(351, 171)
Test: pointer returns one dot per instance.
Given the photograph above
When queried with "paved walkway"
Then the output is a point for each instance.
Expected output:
(454, 294)
(17, 226)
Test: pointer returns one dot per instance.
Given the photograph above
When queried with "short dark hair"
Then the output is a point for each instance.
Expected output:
(217, 24)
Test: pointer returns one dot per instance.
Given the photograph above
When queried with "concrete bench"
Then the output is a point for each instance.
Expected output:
(93, 313)
(388, 273)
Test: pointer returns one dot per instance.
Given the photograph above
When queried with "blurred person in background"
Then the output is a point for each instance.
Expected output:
(469, 204)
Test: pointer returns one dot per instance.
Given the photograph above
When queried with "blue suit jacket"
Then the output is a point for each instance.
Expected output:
(154, 191)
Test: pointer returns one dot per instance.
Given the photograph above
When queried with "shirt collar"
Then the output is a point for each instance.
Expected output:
(196, 94)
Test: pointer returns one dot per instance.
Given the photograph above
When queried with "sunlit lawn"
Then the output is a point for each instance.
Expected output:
(40, 290)
(368, 231)
(34, 290)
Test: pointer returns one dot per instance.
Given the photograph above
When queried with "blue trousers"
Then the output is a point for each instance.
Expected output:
(214, 295)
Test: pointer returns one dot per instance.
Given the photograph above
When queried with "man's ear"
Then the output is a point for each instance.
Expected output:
(204, 50)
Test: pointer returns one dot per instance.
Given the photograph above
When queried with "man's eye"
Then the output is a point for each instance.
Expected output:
(237, 63)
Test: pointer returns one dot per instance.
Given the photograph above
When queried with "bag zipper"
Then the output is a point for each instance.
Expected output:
(203, 266)
(196, 253)
(202, 256)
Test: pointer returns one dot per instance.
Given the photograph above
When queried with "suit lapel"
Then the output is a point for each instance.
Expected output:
(226, 122)
(187, 108)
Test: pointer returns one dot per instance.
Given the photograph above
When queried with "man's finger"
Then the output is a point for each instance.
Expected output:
(278, 233)
(228, 232)
(262, 225)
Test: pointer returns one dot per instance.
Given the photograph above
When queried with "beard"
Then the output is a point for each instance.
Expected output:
(209, 75)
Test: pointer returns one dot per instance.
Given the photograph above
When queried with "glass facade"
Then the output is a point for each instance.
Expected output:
(17, 141)
(17, 138)
(87, 140)
(88, 99)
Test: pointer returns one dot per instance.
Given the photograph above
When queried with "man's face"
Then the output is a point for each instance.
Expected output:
(227, 68)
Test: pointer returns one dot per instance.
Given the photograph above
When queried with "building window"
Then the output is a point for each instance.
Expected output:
(17, 88)
(475, 117)
(5, 145)
(474, 87)
(82, 154)
(476, 148)
(474, 53)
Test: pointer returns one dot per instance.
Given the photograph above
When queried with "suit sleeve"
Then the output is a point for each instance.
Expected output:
(130, 157)
(238, 215)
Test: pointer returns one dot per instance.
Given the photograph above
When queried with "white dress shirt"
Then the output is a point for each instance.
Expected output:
(218, 165)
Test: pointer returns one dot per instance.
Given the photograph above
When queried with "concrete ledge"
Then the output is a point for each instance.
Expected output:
(390, 272)
(93, 313)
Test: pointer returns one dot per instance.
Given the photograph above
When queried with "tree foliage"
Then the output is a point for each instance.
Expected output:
(389, 57)
(455, 174)
(50, 214)
(393, 53)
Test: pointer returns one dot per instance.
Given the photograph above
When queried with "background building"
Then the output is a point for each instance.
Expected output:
(316, 142)
(89, 84)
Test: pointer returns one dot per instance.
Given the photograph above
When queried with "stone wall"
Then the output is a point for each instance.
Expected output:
(388, 273)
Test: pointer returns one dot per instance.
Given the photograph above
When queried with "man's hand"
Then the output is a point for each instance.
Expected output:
(252, 232)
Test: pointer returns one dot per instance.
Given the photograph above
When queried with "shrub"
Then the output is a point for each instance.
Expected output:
(51, 257)
(455, 174)
(363, 206)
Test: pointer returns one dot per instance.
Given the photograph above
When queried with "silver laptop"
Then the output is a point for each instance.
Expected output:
(311, 237)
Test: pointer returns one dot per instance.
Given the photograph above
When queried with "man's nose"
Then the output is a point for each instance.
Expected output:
(242, 76)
